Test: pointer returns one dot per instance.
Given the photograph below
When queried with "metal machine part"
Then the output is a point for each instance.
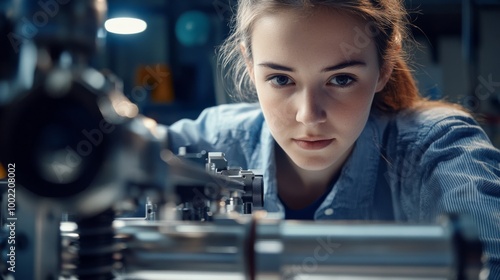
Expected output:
(8, 55)
(230, 190)
(77, 143)
(267, 249)
(253, 184)
(347, 250)
(61, 132)
(17, 54)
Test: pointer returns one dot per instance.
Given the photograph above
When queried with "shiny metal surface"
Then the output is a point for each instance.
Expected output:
(179, 250)
(269, 249)
(322, 250)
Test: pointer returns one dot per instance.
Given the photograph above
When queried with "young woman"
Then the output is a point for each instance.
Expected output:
(340, 130)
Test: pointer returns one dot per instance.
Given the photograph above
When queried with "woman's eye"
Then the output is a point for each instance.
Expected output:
(342, 80)
(280, 80)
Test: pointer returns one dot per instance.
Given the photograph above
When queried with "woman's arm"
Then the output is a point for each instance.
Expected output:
(461, 174)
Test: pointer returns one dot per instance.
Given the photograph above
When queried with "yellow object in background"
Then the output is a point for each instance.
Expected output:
(157, 80)
(3, 174)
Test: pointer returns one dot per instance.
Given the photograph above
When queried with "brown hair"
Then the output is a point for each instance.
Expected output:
(389, 17)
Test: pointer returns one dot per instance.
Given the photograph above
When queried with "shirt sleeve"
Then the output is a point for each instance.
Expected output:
(461, 175)
(198, 135)
(231, 128)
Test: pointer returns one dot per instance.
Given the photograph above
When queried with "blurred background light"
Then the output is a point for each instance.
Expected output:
(193, 28)
(125, 25)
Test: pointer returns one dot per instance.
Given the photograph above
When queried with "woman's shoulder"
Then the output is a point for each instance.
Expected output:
(217, 128)
(430, 124)
(235, 115)
(433, 118)
(423, 124)
(242, 110)
(431, 112)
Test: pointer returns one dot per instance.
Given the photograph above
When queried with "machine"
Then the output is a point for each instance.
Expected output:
(79, 157)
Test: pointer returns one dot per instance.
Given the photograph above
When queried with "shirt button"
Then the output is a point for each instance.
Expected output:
(329, 211)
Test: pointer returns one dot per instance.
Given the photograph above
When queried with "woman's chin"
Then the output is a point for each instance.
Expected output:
(313, 164)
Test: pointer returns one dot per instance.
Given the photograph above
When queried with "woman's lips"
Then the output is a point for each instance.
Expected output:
(313, 144)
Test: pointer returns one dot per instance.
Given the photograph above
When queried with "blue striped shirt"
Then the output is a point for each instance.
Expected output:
(406, 167)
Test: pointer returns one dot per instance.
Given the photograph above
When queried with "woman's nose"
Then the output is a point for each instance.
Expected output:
(311, 107)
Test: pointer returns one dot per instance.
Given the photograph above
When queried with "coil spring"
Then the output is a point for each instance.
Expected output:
(96, 247)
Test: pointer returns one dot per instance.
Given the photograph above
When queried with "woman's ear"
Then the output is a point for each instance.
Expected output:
(248, 61)
(385, 75)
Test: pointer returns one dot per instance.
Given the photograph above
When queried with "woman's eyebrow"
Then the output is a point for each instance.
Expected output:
(342, 65)
(276, 66)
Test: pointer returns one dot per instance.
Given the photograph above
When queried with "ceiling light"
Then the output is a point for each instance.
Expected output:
(125, 25)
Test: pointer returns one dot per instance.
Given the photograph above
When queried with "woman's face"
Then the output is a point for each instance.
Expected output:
(316, 77)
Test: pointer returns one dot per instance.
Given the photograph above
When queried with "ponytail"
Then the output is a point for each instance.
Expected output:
(401, 90)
